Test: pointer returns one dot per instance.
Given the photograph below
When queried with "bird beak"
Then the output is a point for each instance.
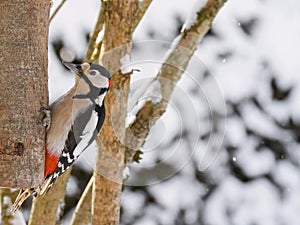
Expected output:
(75, 68)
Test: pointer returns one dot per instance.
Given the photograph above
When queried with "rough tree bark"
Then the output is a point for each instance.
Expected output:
(24, 90)
(118, 29)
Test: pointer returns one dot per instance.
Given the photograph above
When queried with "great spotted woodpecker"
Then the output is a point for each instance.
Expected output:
(76, 119)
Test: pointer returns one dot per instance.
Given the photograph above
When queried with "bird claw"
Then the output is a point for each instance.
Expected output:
(46, 121)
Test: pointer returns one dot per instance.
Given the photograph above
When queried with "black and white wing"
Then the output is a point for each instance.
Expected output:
(82, 134)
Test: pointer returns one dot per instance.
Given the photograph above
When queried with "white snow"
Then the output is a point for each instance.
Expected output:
(126, 172)
(164, 25)
(135, 201)
(192, 19)
(7, 200)
(125, 64)
(151, 92)
(130, 118)
(18, 219)
(259, 200)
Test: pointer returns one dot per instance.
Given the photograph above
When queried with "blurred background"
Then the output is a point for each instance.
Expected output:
(226, 152)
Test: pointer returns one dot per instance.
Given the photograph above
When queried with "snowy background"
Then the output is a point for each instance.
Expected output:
(238, 100)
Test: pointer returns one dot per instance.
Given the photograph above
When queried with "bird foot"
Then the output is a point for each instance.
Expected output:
(46, 121)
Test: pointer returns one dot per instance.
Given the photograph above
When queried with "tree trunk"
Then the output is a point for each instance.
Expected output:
(118, 27)
(24, 90)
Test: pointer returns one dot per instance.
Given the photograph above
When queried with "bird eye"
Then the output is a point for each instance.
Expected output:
(93, 73)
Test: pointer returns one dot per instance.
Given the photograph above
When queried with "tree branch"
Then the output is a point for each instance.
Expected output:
(94, 46)
(56, 10)
(82, 214)
(169, 74)
(119, 17)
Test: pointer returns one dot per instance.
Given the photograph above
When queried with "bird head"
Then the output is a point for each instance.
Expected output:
(92, 73)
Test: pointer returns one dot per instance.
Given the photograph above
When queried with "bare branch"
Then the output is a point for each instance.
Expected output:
(169, 74)
(56, 10)
(94, 46)
(82, 214)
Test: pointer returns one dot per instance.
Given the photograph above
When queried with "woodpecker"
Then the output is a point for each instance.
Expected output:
(75, 120)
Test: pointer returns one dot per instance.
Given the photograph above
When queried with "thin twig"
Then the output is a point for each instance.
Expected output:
(82, 214)
(94, 47)
(56, 10)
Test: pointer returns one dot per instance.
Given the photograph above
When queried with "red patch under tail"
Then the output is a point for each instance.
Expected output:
(50, 163)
